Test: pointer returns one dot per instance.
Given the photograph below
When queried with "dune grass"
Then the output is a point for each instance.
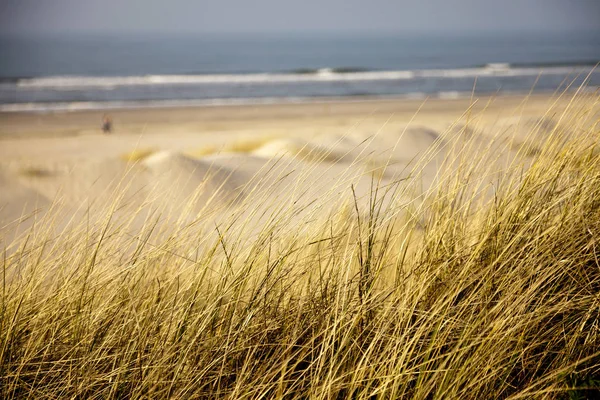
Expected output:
(202, 151)
(137, 155)
(243, 145)
(246, 144)
(476, 291)
(32, 171)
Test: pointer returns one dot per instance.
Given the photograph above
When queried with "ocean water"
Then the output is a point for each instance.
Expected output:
(95, 72)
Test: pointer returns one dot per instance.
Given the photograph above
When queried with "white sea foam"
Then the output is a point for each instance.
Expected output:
(83, 82)
(50, 107)
(322, 75)
(112, 105)
(451, 95)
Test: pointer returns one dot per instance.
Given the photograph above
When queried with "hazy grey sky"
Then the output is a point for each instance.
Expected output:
(173, 16)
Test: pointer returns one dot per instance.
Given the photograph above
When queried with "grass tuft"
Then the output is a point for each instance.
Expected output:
(202, 151)
(34, 172)
(246, 145)
(137, 155)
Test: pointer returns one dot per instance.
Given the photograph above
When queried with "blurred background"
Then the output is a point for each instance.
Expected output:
(69, 54)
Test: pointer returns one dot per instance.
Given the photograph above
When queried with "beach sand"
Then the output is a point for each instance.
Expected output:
(186, 161)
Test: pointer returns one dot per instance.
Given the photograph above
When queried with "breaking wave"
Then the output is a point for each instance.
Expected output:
(318, 75)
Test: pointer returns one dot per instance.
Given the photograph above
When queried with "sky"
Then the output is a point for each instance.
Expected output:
(296, 16)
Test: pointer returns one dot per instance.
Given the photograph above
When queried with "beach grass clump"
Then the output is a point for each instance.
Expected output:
(474, 292)
(137, 155)
(202, 151)
(33, 171)
(246, 144)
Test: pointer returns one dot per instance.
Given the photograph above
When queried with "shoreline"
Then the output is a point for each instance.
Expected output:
(204, 119)
(111, 106)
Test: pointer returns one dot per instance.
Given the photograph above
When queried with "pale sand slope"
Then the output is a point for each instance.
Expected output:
(202, 163)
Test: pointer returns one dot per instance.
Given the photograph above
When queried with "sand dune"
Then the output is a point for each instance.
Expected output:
(308, 151)
(179, 178)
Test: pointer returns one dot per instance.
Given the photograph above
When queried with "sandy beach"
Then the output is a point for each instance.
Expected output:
(169, 154)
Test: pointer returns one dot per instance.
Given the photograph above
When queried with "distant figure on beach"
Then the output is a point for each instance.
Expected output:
(106, 124)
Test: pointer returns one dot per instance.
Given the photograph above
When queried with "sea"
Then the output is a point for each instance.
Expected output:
(79, 72)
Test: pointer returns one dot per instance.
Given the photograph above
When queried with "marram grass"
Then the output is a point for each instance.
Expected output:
(472, 293)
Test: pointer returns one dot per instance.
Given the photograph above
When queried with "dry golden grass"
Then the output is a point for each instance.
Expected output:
(458, 296)
(202, 151)
(137, 155)
(247, 144)
(32, 171)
